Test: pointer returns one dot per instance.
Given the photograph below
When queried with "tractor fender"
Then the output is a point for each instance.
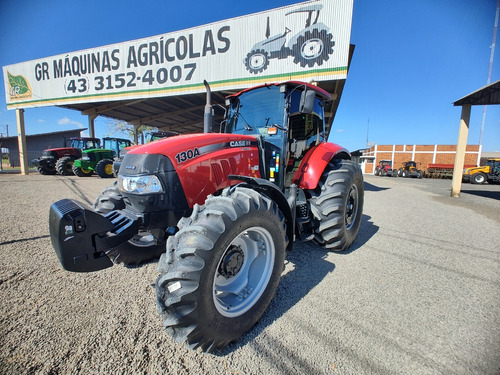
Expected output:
(272, 191)
(314, 163)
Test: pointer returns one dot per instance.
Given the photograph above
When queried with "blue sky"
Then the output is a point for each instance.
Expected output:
(412, 60)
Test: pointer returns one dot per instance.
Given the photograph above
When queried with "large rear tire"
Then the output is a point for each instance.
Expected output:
(337, 205)
(64, 166)
(314, 47)
(221, 269)
(104, 168)
(141, 248)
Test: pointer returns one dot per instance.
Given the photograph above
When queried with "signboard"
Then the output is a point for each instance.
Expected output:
(305, 41)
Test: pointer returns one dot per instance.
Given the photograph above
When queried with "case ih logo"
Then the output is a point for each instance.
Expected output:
(239, 143)
(311, 45)
(19, 87)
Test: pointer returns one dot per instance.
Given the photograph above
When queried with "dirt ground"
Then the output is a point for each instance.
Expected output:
(416, 294)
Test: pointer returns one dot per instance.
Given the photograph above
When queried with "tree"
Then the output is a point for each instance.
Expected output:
(121, 128)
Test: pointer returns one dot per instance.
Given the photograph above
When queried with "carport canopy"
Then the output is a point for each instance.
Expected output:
(158, 81)
(486, 95)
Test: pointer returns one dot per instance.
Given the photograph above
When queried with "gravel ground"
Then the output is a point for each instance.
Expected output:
(418, 293)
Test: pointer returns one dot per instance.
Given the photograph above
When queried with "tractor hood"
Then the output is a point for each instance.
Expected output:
(185, 149)
(201, 162)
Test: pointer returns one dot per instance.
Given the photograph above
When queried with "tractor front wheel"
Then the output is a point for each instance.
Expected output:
(81, 172)
(46, 170)
(257, 61)
(337, 205)
(479, 178)
(141, 248)
(221, 269)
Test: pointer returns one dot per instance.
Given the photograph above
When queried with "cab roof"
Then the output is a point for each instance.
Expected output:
(294, 84)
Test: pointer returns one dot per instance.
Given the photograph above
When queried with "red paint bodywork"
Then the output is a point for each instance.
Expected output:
(313, 164)
(66, 151)
(207, 173)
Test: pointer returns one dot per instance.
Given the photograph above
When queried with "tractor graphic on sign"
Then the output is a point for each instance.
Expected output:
(312, 45)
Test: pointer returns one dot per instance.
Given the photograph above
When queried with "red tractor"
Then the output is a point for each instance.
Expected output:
(60, 160)
(384, 168)
(227, 205)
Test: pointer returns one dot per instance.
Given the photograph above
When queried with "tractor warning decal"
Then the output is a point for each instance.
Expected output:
(309, 46)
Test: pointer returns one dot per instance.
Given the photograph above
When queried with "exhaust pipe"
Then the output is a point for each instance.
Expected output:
(208, 117)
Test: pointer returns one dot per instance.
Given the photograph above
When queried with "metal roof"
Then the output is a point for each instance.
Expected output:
(184, 114)
(489, 94)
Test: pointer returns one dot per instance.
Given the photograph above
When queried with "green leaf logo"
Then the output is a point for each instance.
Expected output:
(18, 84)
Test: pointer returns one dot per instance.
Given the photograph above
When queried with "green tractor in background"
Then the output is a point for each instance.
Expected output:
(100, 160)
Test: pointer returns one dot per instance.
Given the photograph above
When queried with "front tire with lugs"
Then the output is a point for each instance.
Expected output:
(337, 205)
(221, 269)
(64, 166)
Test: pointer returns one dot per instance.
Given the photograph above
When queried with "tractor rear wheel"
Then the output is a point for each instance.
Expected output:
(337, 205)
(64, 166)
(314, 47)
(140, 248)
(221, 269)
(104, 168)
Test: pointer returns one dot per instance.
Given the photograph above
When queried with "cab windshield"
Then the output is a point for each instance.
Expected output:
(259, 111)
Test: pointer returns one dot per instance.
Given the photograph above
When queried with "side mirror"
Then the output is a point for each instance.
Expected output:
(307, 101)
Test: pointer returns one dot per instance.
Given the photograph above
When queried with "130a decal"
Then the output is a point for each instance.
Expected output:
(187, 155)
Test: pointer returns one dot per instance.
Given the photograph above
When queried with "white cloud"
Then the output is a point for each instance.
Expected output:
(67, 121)
(41, 121)
(340, 130)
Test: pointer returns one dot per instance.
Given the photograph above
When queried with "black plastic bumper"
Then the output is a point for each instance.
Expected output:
(81, 236)
(44, 163)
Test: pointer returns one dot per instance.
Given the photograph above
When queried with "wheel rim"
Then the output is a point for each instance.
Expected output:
(312, 48)
(351, 211)
(257, 61)
(68, 167)
(108, 169)
(142, 239)
(243, 272)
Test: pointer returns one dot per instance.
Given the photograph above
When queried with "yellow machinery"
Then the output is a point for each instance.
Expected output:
(486, 173)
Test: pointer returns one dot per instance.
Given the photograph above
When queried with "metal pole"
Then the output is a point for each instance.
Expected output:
(463, 132)
(489, 69)
(21, 137)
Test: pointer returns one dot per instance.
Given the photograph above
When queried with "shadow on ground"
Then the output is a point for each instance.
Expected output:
(483, 193)
(309, 267)
(370, 187)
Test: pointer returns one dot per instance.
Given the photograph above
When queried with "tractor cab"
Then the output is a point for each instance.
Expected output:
(287, 119)
(83, 143)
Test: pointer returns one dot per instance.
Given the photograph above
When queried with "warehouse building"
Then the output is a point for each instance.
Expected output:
(423, 155)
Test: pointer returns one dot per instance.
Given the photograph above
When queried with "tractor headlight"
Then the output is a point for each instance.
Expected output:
(147, 184)
(85, 157)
